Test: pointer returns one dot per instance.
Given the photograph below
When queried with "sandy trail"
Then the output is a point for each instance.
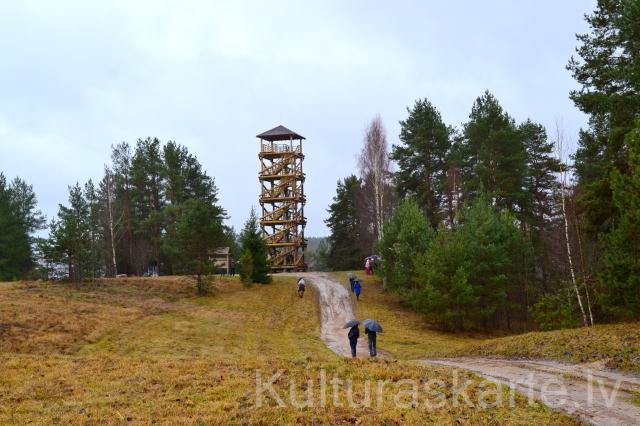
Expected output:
(336, 308)
(590, 396)
(587, 392)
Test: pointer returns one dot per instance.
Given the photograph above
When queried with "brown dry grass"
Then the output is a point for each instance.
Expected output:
(146, 351)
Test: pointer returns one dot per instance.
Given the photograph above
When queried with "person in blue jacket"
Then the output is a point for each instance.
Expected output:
(357, 288)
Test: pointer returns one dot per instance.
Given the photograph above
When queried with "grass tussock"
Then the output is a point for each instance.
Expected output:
(142, 351)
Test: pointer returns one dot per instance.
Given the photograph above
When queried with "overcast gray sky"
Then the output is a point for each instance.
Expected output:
(77, 77)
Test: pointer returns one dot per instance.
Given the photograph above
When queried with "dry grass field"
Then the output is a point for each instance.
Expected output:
(148, 350)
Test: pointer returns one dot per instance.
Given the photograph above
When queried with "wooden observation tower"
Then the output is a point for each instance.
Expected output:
(282, 198)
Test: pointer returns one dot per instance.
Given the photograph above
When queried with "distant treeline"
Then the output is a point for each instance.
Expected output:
(140, 217)
(480, 227)
(155, 210)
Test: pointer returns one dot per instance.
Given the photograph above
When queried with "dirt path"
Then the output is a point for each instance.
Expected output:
(585, 391)
(588, 392)
(336, 308)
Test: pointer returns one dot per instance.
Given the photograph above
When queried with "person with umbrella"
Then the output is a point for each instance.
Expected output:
(353, 335)
(371, 328)
(357, 287)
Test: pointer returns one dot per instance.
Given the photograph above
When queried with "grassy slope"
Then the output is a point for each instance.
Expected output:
(144, 350)
(408, 336)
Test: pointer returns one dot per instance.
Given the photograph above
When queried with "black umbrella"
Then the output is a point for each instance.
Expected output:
(351, 323)
(372, 325)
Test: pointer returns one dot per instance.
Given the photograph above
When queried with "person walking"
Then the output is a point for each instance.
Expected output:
(300, 287)
(353, 335)
(372, 341)
(367, 267)
(352, 279)
(357, 288)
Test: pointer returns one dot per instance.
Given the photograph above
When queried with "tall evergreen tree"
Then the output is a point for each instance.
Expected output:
(148, 196)
(540, 184)
(121, 158)
(95, 238)
(183, 176)
(15, 249)
(345, 248)
(422, 158)
(608, 69)
(495, 156)
(620, 280)
(26, 204)
(70, 234)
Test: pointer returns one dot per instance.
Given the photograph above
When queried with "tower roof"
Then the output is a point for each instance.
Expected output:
(279, 133)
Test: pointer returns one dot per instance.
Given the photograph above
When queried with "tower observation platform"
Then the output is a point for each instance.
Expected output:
(282, 198)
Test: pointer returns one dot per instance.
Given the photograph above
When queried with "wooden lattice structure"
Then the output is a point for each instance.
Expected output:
(282, 198)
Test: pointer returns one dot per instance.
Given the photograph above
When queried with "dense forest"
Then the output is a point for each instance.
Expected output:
(490, 225)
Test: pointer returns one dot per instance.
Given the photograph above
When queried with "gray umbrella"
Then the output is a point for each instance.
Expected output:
(372, 325)
(351, 323)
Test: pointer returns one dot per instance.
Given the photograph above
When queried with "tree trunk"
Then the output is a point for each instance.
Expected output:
(584, 274)
(114, 264)
(569, 256)
(378, 191)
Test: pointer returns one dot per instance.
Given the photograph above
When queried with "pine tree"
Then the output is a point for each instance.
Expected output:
(198, 232)
(620, 280)
(96, 263)
(494, 154)
(422, 158)
(407, 235)
(346, 250)
(15, 250)
(253, 243)
(70, 236)
(496, 259)
(148, 196)
(609, 72)
(540, 183)
(473, 275)
(446, 294)
(26, 204)
(121, 159)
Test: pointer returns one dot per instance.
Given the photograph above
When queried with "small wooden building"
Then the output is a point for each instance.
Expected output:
(223, 261)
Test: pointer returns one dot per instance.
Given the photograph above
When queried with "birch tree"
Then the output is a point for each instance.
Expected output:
(374, 167)
(563, 206)
(112, 218)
